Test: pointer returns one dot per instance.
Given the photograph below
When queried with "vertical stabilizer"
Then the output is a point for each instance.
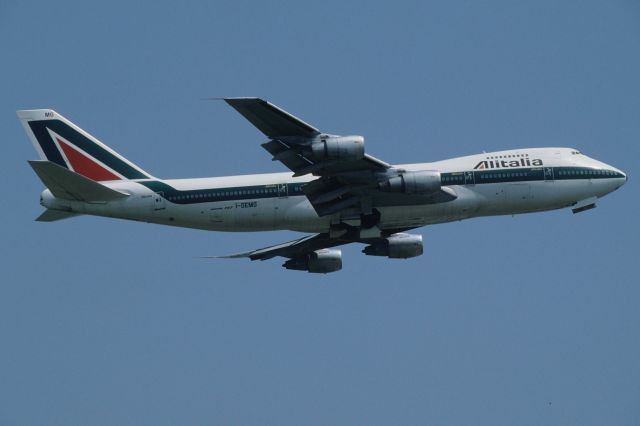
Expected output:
(59, 141)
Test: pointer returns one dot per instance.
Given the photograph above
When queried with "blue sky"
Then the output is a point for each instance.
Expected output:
(511, 320)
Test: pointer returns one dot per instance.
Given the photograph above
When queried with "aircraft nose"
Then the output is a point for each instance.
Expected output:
(618, 179)
(621, 175)
(618, 174)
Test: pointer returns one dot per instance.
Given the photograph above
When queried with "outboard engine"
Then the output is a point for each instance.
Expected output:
(320, 261)
(341, 148)
(396, 246)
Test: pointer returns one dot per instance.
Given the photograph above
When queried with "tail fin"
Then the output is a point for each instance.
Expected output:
(60, 141)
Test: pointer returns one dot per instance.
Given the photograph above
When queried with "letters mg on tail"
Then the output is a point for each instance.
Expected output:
(334, 189)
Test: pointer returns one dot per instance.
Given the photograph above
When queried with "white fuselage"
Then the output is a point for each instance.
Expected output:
(498, 183)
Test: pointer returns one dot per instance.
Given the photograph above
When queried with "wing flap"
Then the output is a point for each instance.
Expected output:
(286, 154)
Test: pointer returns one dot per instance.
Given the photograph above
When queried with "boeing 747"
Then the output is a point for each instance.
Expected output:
(334, 189)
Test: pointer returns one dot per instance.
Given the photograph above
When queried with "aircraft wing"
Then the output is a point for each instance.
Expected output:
(348, 178)
(291, 140)
(291, 249)
(303, 246)
(271, 120)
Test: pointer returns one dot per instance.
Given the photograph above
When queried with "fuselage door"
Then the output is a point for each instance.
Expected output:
(469, 178)
(548, 173)
(159, 201)
(283, 190)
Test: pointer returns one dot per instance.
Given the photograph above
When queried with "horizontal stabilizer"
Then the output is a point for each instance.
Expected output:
(64, 183)
(54, 215)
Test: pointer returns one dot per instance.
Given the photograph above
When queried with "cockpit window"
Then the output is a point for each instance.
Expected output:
(575, 153)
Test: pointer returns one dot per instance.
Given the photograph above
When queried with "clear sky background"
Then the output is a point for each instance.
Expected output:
(525, 320)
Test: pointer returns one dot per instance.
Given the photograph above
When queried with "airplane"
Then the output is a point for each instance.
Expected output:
(334, 190)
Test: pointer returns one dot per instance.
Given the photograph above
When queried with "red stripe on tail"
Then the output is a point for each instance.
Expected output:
(84, 165)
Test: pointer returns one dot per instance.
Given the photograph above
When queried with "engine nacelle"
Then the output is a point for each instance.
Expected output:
(341, 148)
(423, 182)
(320, 261)
(397, 246)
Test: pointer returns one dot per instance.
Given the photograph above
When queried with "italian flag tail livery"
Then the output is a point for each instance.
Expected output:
(60, 141)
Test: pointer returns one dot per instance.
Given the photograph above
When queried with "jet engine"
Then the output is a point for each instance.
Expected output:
(320, 261)
(422, 182)
(341, 148)
(396, 246)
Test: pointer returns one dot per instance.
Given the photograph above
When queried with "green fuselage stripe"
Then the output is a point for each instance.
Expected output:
(472, 177)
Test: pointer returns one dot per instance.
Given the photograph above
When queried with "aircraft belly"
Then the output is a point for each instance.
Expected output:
(243, 215)
(291, 213)
(222, 216)
(463, 207)
(558, 194)
(514, 198)
(297, 214)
